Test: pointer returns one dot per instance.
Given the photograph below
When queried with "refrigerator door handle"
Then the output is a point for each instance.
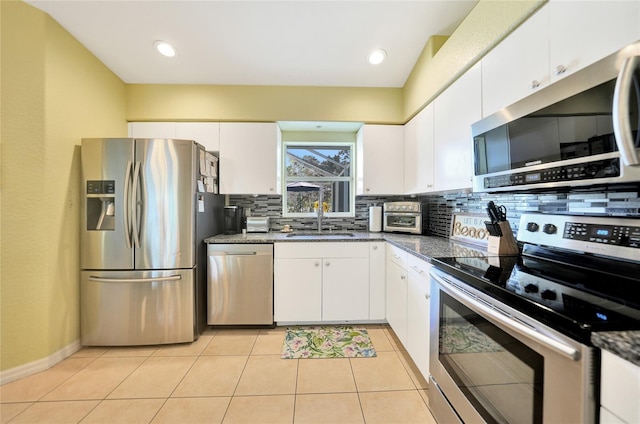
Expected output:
(127, 205)
(134, 199)
(134, 280)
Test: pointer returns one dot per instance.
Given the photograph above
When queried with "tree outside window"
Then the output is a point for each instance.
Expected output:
(316, 169)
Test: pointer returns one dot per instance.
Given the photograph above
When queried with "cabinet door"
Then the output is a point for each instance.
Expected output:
(518, 66)
(380, 160)
(418, 152)
(620, 387)
(582, 32)
(152, 130)
(455, 110)
(377, 283)
(298, 290)
(397, 300)
(418, 314)
(205, 133)
(249, 158)
(345, 289)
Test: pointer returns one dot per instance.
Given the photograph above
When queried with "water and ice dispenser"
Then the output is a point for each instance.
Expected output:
(101, 198)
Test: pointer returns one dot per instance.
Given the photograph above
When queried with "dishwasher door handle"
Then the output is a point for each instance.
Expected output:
(235, 254)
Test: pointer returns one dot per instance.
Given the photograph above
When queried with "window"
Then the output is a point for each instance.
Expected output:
(315, 170)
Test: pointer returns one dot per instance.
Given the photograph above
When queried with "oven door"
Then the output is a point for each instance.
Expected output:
(489, 363)
(403, 222)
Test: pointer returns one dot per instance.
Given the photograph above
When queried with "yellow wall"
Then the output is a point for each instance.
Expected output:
(53, 93)
(266, 103)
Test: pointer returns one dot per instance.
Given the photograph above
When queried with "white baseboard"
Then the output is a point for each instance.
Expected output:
(43, 364)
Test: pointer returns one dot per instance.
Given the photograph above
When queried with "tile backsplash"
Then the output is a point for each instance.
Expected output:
(621, 200)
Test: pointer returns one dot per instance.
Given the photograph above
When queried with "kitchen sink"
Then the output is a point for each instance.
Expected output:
(321, 234)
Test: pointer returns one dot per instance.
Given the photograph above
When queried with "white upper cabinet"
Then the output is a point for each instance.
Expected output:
(582, 32)
(518, 66)
(250, 158)
(418, 152)
(152, 129)
(380, 160)
(558, 40)
(205, 133)
(455, 110)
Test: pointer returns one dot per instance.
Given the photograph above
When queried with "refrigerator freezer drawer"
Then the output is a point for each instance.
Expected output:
(126, 308)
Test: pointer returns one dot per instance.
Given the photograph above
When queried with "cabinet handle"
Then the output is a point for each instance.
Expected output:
(327, 263)
(316, 263)
(560, 69)
(416, 269)
(375, 247)
(534, 84)
(402, 277)
(427, 296)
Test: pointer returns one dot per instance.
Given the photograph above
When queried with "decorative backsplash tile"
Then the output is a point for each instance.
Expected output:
(438, 209)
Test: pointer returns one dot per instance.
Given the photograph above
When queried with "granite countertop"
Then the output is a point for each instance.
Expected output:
(625, 344)
(424, 247)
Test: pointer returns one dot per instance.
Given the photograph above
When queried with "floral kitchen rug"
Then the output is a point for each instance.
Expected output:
(327, 342)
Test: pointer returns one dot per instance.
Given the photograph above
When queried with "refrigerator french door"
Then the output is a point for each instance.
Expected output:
(139, 249)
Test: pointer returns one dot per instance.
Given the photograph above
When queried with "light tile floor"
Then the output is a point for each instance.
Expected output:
(227, 376)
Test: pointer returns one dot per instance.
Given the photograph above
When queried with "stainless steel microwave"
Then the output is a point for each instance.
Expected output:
(581, 130)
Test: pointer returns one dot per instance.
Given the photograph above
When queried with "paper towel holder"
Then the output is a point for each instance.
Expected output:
(375, 219)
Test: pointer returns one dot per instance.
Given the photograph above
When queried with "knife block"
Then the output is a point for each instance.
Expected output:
(505, 245)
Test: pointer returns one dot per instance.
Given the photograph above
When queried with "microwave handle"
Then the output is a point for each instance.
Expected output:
(621, 123)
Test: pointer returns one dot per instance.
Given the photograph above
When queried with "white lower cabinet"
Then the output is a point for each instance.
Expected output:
(316, 282)
(418, 293)
(619, 391)
(377, 281)
(297, 289)
(345, 289)
(408, 293)
(397, 292)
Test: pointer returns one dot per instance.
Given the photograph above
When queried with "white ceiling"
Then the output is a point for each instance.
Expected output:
(315, 43)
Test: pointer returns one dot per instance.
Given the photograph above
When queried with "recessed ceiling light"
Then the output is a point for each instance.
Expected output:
(377, 56)
(165, 48)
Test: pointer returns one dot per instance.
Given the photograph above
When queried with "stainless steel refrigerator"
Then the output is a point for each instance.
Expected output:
(147, 206)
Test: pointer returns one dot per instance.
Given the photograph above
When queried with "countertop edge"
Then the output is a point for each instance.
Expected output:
(624, 344)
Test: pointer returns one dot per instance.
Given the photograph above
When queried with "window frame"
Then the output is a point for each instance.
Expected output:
(351, 179)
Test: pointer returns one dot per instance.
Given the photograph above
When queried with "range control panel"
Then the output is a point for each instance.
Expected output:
(621, 235)
(616, 237)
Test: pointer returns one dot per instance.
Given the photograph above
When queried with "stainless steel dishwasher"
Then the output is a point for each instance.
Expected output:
(240, 284)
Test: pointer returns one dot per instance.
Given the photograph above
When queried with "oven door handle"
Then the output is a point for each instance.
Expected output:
(510, 323)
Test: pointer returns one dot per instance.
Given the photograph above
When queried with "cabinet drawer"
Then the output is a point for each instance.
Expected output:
(322, 250)
(397, 255)
(419, 266)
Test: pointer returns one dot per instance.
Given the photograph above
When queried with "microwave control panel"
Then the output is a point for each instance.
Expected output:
(607, 168)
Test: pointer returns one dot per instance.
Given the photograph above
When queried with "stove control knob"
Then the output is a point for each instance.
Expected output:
(532, 227)
(548, 295)
(531, 288)
(549, 229)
